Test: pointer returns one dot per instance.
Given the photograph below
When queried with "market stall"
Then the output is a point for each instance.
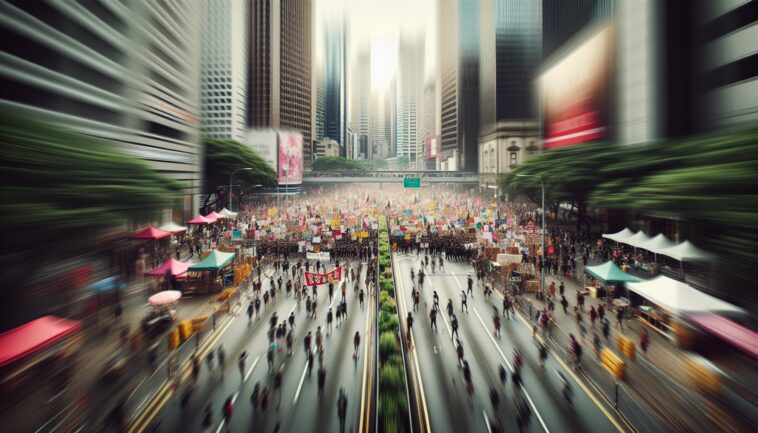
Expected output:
(212, 267)
(172, 227)
(619, 236)
(609, 275)
(227, 213)
(664, 301)
(151, 233)
(201, 220)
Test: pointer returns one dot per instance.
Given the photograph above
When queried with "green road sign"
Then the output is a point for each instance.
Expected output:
(412, 182)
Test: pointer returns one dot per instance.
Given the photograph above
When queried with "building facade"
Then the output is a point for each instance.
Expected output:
(409, 88)
(281, 71)
(503, 146)
(427, 125)
(458, 59)
(224, 68)
(334, 50)
(360, 98)
(127, 74)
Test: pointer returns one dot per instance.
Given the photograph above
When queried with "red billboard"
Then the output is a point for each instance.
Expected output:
(575, 93)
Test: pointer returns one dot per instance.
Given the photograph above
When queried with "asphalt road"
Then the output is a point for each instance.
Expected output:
(297, 406)
(444, 403)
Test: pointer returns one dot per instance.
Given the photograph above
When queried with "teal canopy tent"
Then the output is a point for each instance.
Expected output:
(215, 261)
(609, 273)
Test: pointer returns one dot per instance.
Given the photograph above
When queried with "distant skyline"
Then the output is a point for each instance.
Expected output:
(379, 25)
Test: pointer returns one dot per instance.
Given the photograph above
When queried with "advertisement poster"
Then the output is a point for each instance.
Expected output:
(290, 158)
(575, 93)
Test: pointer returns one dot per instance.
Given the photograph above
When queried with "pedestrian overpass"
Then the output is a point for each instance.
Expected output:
(389, 176)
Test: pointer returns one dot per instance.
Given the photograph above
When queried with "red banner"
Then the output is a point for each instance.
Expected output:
(314, 279)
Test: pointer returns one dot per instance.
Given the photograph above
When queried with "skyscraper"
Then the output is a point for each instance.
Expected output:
(224, 68)
(458, 57)
(511, 35)
(333, 84)
(427, 125)
(409, 81)
(360, 97)
(129, 74)
(383, 122)
(319, 104)
(280, 80)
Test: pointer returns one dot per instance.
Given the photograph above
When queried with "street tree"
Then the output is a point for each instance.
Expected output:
(222, 157)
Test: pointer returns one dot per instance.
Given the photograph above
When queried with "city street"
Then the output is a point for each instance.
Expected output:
(359, 216)
(447, 408)
(297, 403)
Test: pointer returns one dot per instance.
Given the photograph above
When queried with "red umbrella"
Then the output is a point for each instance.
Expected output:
(151, 233)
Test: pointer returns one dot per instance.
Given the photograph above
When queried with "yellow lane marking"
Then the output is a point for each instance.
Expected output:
(162, 396)
(420, 388)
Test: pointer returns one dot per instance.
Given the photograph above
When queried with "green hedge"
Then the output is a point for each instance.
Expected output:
(393, 402)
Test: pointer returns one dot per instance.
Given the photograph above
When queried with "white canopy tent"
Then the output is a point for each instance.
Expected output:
(657, 243)
(686, 252)
(172, 227)
(619, 236)
(680, 298)
(227, 213)
(637, 240)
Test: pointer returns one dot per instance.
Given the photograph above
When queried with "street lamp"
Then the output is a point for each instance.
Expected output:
(544, 228)
(230, 183)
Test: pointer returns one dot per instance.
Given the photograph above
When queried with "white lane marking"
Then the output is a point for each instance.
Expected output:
(487, 422)
(247, 375)
(435, 349)
(526, 394)
(234, 397)
(220, 426)
(302, 378)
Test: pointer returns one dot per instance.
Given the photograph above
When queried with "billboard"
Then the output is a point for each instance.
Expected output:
(282, 150)
(290, 168)
(432, 147)
(575, 93)
(263, 142)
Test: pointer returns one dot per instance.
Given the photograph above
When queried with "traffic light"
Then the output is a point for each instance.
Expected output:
(613, 363)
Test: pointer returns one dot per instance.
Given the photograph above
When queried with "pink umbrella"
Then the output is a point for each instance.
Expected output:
(215, 216)
(200, 220)
(165, 297)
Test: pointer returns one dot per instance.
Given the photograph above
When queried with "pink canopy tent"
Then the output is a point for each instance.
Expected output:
(215, 216)
(200, 220)
(178, 269)
(34, 336)
(151, 233)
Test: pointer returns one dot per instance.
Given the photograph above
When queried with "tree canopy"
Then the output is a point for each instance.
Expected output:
(222, 157)
(708, 180)
(338, 163)
(57, 181)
